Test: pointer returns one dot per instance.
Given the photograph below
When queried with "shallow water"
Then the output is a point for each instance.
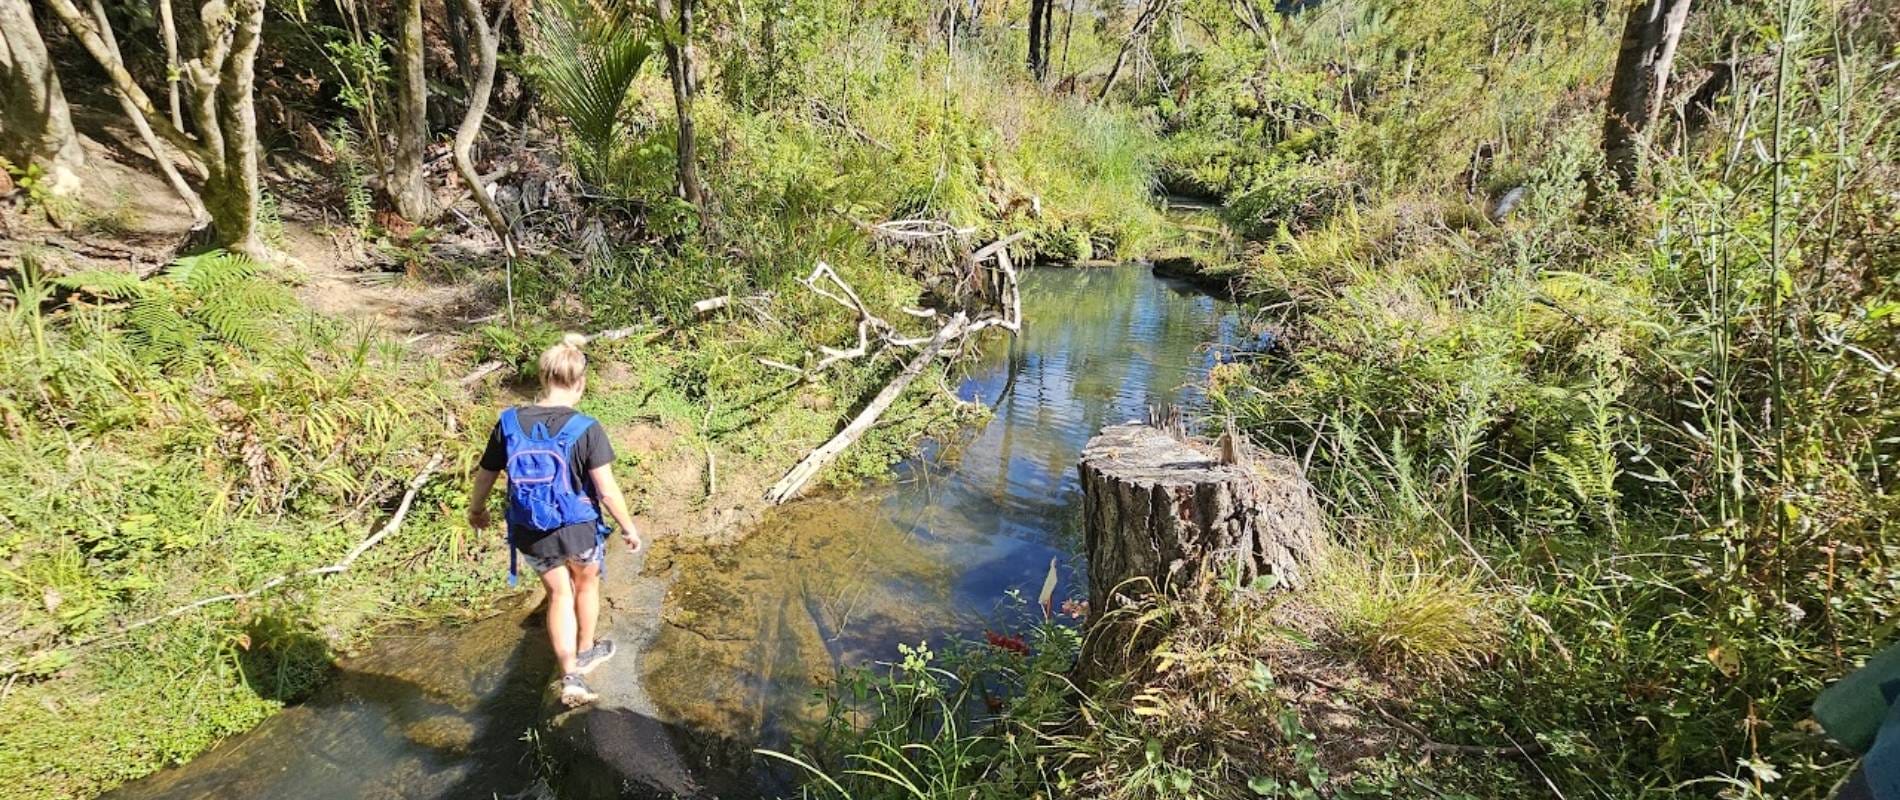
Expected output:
(752, 630)
(841, 580)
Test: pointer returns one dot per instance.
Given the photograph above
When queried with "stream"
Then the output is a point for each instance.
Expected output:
(959, 543)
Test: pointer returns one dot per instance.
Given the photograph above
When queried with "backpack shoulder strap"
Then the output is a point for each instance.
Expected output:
(576, 425)
(511, 424)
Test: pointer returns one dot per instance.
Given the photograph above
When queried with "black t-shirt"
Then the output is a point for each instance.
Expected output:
(592, 450)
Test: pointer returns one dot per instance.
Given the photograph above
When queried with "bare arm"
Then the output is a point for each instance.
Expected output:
(608, 490)
(478, 498)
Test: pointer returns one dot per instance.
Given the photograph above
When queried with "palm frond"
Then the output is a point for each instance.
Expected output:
(584, 57)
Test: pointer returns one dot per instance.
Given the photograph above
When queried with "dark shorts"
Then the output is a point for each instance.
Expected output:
(541, 564)
(580, 543)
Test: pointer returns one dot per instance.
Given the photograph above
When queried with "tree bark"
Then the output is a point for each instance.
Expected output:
(1037, 67)
(679, 68)
(36, 127)
(1163, 516)
(221, 74)
(1650, 33)
(407, 191)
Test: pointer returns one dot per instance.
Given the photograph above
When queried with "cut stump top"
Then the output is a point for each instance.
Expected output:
(1136, 453)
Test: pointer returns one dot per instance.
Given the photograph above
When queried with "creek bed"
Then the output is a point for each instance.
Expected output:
(751, 631)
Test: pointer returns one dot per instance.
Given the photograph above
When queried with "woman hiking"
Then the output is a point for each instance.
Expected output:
(560, 476)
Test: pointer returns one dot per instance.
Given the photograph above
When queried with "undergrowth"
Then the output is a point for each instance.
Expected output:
(1615, 481)
(1656, 445)
(179, 438)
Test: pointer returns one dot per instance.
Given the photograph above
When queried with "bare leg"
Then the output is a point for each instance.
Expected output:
(586, 579)
(561, 623)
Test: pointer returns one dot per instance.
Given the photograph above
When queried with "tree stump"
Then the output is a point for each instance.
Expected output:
(1163, 514)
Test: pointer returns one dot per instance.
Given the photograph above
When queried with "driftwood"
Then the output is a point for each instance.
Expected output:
(808, 468)
(1163, 515)
(876, 335)
(342, 565)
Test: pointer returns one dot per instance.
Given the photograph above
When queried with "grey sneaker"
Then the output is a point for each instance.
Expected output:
(594, 656)
(574, 691)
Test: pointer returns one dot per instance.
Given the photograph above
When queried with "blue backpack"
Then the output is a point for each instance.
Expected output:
(541, 493)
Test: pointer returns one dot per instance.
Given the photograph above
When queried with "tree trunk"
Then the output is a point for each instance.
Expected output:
(1650, 33)
(406, 189)
(1160, 515)
(199, 217)
(168, 31)
(36, 127)
(679, 68)
(459, 45)
(485, 50)
(221, 75)
(234, 218)
(1068, 32)
(1036, 36)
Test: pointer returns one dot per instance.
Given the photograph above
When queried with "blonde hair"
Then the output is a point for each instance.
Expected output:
(564, 366)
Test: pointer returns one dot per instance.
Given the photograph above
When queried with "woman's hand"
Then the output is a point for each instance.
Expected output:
(631, 537)
(478, 499)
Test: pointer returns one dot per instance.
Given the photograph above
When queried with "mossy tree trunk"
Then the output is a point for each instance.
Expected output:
(36, 127)
(1161, 515)
(221, 76)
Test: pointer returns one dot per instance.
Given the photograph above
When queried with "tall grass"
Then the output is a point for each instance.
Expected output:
(1667, 437)
(178, 438)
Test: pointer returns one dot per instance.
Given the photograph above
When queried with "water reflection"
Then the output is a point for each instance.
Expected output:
(840, 580)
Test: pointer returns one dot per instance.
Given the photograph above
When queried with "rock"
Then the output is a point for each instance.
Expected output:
(1176, 264)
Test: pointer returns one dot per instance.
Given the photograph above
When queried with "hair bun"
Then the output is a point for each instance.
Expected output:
(573, 340)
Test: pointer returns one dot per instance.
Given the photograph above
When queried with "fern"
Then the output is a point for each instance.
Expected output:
(105, 283)
(199, 301)
(352, 178)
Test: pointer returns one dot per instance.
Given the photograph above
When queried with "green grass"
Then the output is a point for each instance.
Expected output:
(197, 437)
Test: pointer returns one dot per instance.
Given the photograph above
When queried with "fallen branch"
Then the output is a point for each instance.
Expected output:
(957, 327)
(794, 481)
(342, 565)
(914, 229)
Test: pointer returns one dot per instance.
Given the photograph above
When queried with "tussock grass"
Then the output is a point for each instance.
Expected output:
(1405, 618)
